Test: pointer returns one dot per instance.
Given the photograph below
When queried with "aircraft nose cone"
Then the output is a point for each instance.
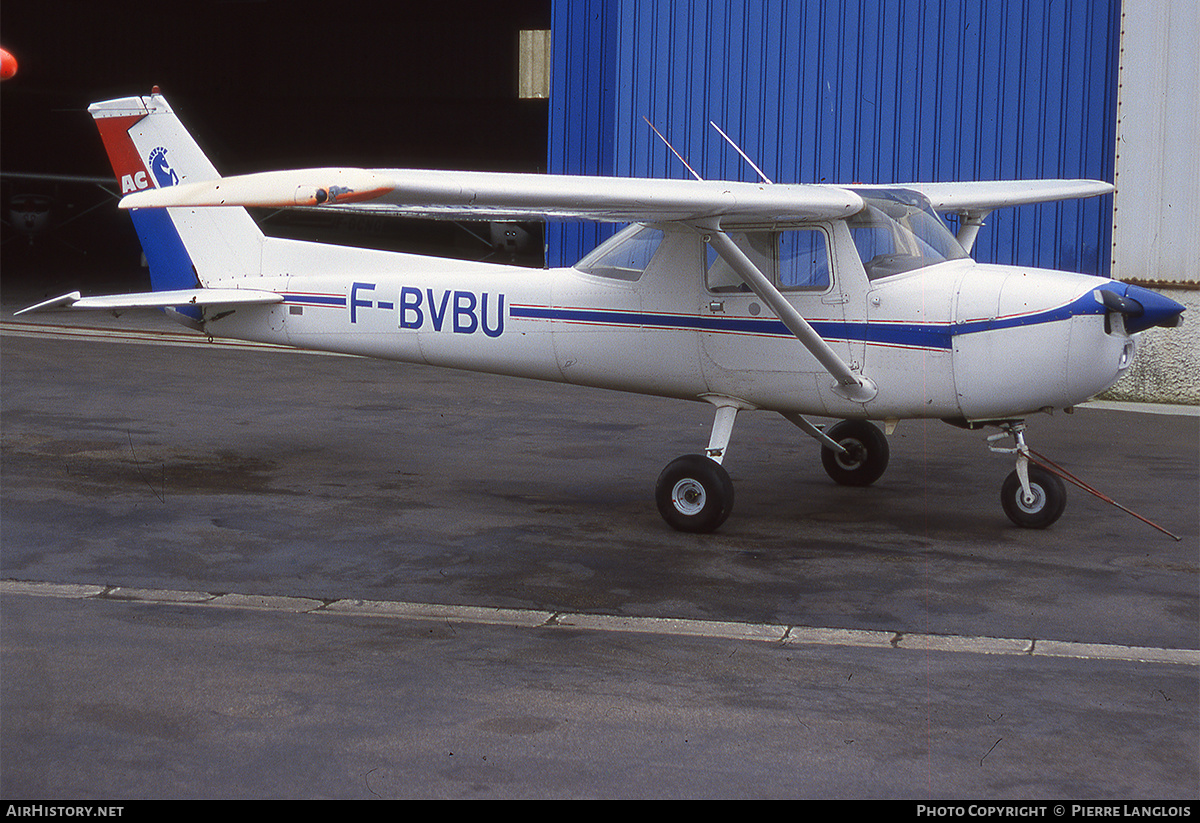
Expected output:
(1156, 310)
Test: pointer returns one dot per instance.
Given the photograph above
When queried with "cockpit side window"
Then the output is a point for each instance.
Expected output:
(625, 256)
(757, 245)
(795, 260)
(803, 260)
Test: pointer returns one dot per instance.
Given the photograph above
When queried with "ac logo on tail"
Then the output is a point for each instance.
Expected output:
(164, 175)
(133, 182)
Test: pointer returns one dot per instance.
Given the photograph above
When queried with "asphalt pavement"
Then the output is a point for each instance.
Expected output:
(242, 572)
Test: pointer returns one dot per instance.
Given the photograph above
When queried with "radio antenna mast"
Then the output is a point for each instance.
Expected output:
(672, 148)
(738, 149)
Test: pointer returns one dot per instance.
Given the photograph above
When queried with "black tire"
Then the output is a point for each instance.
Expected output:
(1049, 499)
(694, 494)
(867, 453)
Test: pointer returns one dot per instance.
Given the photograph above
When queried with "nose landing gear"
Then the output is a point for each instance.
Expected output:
(1041, 506)
(1032, 497)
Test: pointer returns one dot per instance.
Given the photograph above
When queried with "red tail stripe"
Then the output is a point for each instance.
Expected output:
(122, 153)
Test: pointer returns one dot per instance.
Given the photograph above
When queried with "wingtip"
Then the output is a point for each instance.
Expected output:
(280, 189)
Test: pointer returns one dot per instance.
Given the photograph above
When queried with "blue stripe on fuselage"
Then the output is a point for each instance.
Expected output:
(899, 334)
(933, 336)
(1087, 304)
(309, 299)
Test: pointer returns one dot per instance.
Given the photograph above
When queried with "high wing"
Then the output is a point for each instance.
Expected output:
(973, 201)
(988, 195)
(157, 300)
(508, 196)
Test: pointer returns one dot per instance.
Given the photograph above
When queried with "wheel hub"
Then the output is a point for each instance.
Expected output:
(1034, 503)
(853, 456)
(688, 496)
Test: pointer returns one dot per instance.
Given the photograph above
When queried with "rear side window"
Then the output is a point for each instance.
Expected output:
(625, 256)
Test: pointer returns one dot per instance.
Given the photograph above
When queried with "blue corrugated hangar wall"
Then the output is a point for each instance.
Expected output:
(841, 91)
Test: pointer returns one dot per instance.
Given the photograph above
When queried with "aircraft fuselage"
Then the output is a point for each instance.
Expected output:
(953, 340)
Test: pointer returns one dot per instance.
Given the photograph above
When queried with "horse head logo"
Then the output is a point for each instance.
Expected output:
(164, 175)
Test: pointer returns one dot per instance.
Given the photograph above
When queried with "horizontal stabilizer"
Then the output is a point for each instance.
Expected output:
(157, 300)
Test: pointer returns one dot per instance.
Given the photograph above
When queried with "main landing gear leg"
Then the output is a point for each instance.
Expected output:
(1032, 497)
(694, 492)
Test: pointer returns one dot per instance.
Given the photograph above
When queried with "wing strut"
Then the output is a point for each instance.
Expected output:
(849, 385)
(970, 222)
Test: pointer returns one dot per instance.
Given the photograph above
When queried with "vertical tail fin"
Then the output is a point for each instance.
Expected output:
(185, 248)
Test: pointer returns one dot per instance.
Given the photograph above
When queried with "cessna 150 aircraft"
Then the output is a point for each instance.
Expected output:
(852, 302)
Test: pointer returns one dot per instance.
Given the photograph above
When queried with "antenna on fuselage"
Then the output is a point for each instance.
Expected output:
(672, 148)
(738, 149)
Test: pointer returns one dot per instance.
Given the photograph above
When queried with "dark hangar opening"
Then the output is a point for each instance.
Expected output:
(262, 84)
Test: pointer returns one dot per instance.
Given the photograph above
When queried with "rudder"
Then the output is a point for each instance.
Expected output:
(185, 248)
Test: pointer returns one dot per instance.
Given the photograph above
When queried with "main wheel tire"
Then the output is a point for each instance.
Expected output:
(866, 455)
(1049, 499)
(694, 494)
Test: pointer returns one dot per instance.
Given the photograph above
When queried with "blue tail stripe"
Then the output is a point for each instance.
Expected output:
(170, 265)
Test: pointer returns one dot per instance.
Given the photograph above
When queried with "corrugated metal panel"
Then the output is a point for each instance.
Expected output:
(583, 99)
(1157, 204)
(867, 91)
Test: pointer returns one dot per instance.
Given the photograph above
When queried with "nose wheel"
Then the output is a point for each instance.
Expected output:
(1039, 508)
(1032, 497)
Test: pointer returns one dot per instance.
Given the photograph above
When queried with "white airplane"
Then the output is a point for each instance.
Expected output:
(852, 302)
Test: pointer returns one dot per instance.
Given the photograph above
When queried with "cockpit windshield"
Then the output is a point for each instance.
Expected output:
(898, 231)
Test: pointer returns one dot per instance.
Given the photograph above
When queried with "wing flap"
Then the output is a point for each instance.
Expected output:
(157, 300)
